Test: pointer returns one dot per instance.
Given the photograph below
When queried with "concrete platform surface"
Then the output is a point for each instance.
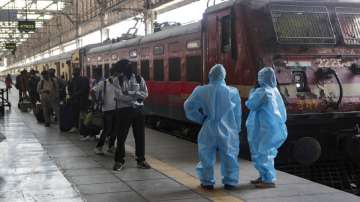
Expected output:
(43, 164)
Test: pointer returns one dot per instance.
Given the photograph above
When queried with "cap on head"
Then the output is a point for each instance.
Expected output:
(266, 77)
(121, 66)
(217, 73)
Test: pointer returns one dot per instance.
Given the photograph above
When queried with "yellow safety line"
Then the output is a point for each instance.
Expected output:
(187, 180)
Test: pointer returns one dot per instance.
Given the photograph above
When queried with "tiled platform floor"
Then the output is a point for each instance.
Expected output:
(35, 160)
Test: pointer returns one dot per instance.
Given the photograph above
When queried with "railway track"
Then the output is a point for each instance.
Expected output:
(342, 175)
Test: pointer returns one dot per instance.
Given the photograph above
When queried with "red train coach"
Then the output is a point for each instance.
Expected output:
(313, 47)
(170, 62)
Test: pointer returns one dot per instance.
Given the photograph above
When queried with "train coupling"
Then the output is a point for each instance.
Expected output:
(353, 145)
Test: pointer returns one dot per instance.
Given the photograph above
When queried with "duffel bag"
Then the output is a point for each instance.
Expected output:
(38, 112)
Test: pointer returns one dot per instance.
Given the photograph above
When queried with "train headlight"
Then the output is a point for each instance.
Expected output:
(300, 81)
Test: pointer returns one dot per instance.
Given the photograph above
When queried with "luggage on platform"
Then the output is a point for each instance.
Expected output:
(38, 112)
(87, 128)
(66, 117)
(25, 105)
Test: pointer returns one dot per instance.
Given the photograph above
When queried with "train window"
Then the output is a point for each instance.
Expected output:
(193, 44)
(107, 71)
(174, 69)
(348, 21)
(132, 53)
(194, 68)
(145, 72)
(158, 50)
(88, 71)
(303, 24)
(226, 33)
(158, 70)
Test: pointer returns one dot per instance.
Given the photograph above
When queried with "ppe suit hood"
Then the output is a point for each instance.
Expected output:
(217, 73)
(266, 77)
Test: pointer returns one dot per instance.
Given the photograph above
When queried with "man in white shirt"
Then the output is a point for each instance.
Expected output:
(130, 95)
(104, 91)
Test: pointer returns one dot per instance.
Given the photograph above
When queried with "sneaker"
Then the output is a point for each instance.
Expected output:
(98, 151)
(111, 150)
(73, 130)
(47, 124)
(207, 187)
(265, 185)
(118, 166)
(257, 181)
(84, 138)
(229, 187)
(143, 165)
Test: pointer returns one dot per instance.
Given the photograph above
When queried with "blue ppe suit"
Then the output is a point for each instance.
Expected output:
(218, 108)
(266, 129)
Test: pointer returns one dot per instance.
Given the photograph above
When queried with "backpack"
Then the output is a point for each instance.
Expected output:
(137, 77)
(42, 83)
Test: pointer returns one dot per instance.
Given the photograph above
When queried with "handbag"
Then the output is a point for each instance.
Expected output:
(96, 117)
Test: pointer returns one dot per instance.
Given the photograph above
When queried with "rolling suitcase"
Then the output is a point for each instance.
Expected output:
(38, 112)
(66, 117)
(25, 105)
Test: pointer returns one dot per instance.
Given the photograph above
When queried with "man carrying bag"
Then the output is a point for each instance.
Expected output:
(104, 93)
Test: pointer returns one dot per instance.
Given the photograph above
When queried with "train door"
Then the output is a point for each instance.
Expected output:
(88, 71)
(58, 74)
(217, 38)
(69, 71)
(107, 70)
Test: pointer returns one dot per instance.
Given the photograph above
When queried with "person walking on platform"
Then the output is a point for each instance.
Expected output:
(104, 92)
(33, 84)
(130, 96)
(62, 88)
(217, 107)
(266, 129)
(47, 92)
(55, 103)
(8, 82)
(22, 84)
(79, 92)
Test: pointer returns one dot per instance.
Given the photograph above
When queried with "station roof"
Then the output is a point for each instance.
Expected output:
(13, 13)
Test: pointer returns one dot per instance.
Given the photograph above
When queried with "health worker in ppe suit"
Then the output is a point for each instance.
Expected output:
(217, 108)
(266, 127)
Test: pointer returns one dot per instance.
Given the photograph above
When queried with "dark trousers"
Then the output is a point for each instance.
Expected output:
(109, 129)
(76, 114)
(130, 117)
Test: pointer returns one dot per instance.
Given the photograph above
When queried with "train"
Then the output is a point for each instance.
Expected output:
(313, 46)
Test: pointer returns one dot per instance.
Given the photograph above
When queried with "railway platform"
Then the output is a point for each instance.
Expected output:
(43, 164)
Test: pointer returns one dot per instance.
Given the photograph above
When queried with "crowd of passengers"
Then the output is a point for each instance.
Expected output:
(215, 106)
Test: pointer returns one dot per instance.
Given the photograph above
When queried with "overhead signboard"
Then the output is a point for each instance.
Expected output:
(8, 15)
(26, 26)
(10, 46)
